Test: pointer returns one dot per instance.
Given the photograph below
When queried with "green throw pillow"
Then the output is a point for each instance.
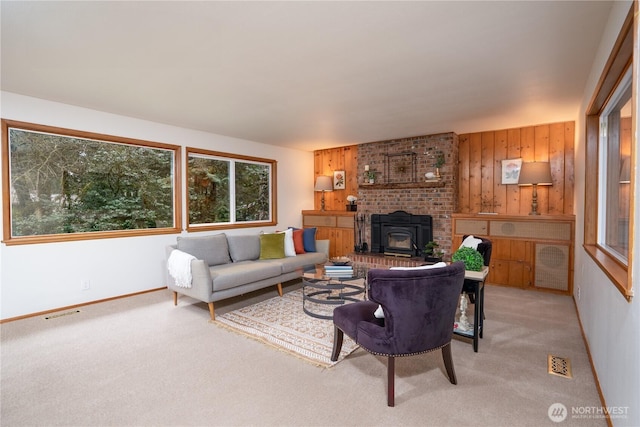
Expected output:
(272, 246)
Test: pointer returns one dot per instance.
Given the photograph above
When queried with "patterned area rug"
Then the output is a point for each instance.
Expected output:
(280, 322)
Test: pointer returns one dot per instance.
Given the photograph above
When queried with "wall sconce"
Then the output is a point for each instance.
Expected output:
(535, 173)
(323, 183)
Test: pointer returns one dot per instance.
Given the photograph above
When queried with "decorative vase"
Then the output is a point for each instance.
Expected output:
(352, 207)
(437, 173)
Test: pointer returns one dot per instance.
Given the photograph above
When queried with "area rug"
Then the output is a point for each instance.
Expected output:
(281, 323)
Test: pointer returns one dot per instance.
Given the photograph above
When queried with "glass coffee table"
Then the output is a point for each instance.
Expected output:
(322, 293)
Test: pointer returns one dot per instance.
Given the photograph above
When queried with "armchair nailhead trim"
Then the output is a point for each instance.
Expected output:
(407, 354)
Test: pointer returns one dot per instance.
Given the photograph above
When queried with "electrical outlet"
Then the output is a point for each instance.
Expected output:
(578, 293)
(85, 285)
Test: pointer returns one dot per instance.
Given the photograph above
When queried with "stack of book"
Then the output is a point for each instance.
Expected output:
(338, 271)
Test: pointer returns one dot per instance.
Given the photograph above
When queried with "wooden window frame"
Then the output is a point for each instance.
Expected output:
(9, 239)
(233, 225)
(621, 57)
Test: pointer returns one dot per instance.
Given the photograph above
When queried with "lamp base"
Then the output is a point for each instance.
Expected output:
(534, 201)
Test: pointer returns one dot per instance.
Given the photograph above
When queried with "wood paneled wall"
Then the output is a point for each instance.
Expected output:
(337, 159)
(480, 187)
(480, 169)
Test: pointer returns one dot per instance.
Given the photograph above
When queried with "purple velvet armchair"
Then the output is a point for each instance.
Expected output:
(419, 310)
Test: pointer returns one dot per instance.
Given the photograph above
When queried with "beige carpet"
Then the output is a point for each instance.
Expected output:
(281, 323)
(141, 361)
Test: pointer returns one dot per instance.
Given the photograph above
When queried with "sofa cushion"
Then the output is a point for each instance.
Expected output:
(271, 245)
(239, 273)
(298, 243)
(289, 248)
(211, 249)
(244, 248)
(308, 259)
(309, 239)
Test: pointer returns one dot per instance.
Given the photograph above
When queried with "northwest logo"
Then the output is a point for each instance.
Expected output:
(557, 412)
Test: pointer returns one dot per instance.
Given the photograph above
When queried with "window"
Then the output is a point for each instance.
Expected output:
(614, 157)
(226, 191)
(609, 138)
(65, 185)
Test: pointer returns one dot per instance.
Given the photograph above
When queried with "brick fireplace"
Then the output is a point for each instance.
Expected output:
(400, 166)
(400, 233)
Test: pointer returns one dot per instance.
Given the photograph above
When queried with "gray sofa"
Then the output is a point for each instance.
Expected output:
(228, 265)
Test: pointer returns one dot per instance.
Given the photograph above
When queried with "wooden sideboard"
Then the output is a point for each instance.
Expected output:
(528, 251)
(336, 226)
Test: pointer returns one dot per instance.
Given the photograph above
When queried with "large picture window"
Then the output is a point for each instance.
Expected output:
(60, 184)
(226, 190)
(609, 163)
(614, 173)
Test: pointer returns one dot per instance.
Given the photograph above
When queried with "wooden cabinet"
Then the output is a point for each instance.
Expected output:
(336, 226)
(531, 251)
(510, 262)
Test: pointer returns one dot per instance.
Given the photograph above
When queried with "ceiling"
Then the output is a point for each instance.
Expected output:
(308, 75)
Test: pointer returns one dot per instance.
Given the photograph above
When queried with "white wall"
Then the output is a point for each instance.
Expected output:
(40, 277)
(611, 324)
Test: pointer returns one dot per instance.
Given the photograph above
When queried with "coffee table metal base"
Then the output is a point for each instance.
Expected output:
(328, 292)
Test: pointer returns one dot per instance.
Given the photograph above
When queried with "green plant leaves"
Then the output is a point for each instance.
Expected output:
(472, 259)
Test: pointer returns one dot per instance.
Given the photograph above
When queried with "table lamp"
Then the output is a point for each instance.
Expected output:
(324, 183)
(535, 173)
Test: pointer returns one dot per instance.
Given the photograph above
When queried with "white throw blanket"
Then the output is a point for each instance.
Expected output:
(179, 266)
(471, 242)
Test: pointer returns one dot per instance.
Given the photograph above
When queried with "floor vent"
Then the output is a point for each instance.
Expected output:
(560, 366)
(67, 313)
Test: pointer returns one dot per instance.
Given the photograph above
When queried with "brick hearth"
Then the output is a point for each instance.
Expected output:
(372, 260)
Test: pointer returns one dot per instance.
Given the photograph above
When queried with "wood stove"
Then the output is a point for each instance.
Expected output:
(400, 233)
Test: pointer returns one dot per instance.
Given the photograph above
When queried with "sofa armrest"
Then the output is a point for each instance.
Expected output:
(323, 246)
(201, 282)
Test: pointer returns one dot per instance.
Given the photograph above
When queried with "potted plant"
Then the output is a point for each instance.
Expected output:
(432, 252)
(439, 162)
(472, 259)
(369, 176)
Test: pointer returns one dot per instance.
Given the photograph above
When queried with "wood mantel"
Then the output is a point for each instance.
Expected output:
(399, 185)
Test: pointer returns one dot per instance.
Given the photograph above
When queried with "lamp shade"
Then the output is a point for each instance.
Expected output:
(324, 183)
(535, 173)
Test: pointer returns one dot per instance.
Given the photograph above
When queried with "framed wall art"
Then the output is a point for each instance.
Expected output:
(511, 170)
(338, 180)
